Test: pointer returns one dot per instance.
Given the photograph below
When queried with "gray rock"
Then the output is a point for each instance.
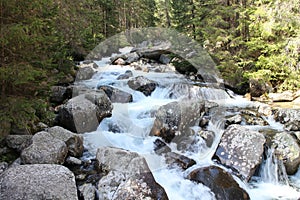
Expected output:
(115, 95)
(241, 149)
(251, 117)
(128, 176)
(288, 150)
(73, 141)
(128, 74)
(45, 149)
(132, 57)
(161, 147)
(73, 161)
(173, 121)
(58, 94)
(85, 73)
(84, 113)
(87, 191)
(207, 136)
(18, 142)
(289, 117)
(180, 160)
(36, 182)
(285, 96)
(220, 182)
(142, 84)
(236, 119)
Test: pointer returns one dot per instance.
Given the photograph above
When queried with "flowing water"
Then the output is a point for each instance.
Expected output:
(130, 124)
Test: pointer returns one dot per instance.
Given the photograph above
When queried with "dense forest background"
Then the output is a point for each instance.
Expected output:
(41, 40)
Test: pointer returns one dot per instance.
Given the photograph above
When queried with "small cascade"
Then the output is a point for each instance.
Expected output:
(272, 170)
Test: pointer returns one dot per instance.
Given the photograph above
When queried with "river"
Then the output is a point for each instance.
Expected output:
(130, 124)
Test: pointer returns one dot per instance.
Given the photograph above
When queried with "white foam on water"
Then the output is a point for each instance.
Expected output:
(179, 188)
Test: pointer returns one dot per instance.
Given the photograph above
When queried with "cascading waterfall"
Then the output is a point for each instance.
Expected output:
(130, 124)
(272, 170)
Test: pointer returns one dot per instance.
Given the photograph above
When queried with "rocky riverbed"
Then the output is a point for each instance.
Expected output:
(135, 128)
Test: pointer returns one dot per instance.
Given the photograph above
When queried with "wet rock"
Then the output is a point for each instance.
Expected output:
(84, 113)
(45, 149)
(128, 74)
(143, 85)
(236, 119)
(207, 136)
(73, 141)
(285, 96)
(161, 147)
(289, 117)
(59, 94)
(115, 95)
(287, 149)
(241, 149)
(204, 121)
(220, 182)
(85, 73)
(87, 192)
(128, 176)
(251, 117)
(18, 142)
(37, 182)
(180, 160)
(173, 121)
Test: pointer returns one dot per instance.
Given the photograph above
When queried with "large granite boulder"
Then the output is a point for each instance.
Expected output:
(241, 149)
(220, 182)
(84, 113)
(173, 120)
(36, 182)
(289, 117)
(45, 149)
(128, 176)
(115, 95)
(142, 84)
(288, 150)
(73, 141)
